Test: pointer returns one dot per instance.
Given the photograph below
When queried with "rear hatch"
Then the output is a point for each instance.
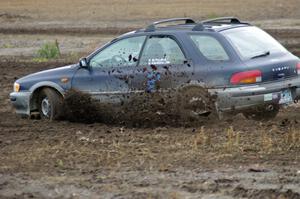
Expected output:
(274, 67)
(265, 58)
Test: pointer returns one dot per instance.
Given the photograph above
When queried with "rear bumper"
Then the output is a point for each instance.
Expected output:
(21, 102)
(245, 97)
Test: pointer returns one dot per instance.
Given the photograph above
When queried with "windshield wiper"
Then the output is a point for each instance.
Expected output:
(264, 54)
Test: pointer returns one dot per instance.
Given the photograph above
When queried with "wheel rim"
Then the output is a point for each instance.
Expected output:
(196, 106)
(46, 107)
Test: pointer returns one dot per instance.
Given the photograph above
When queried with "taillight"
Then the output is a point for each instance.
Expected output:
(246, 77)
(298, 68)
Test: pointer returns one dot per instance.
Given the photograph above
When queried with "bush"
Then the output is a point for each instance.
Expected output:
(49, 50)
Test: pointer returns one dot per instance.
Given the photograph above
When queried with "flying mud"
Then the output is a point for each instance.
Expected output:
(142, 110)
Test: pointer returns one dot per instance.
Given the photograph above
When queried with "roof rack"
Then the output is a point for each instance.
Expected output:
(151, 27)
(224, 20)
(198, 27)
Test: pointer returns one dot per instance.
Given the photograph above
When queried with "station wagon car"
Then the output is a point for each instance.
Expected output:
(221, 65)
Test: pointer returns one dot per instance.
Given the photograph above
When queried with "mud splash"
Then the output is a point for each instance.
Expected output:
(151, 109)
(142, 110)
(80, 107)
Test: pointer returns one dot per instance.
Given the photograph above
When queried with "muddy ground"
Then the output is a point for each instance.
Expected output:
(233, 158)
(237, 158)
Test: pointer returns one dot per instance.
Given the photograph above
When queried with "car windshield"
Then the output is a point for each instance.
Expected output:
(252, 42)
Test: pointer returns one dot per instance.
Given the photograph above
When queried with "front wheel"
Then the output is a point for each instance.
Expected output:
(50, 104)
(262, 113)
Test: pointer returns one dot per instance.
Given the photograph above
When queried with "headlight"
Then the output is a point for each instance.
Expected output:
(16, 87)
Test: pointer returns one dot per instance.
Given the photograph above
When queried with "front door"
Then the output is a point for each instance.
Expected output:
(108, 75)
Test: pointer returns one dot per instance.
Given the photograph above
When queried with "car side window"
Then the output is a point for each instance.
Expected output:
(121, 53)
(210, 47)
(161, 50)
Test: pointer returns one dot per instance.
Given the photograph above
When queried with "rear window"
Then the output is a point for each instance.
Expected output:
(252, 41)
(210, 47)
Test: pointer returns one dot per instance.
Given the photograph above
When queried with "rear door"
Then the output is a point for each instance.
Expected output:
(163, 65)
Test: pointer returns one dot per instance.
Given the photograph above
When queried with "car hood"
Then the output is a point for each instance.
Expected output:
(54, 75)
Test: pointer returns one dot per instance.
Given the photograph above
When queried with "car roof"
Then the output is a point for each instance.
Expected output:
(211, 25)
(207, 27)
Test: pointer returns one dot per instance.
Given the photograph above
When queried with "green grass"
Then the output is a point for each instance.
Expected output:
(49, 50)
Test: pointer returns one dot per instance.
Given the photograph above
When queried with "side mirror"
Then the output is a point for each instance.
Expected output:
(83, 62)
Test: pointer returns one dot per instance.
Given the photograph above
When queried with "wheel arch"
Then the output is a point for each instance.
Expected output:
(192, 84)
(36, 89)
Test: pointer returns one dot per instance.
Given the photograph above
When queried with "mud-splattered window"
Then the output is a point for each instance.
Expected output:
(210, 47)
(121, 53)
(161, 50)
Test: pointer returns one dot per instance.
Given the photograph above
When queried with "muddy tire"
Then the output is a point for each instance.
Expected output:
(50, 104)
(194, 103)
(261, 114)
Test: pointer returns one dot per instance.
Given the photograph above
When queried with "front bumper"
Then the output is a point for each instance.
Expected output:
(21, 102)
(245, 97)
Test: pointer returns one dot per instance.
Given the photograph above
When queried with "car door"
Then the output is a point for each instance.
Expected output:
(162, 65)
(108, 74)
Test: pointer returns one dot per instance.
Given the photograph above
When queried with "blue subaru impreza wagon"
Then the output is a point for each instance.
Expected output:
(221, 65)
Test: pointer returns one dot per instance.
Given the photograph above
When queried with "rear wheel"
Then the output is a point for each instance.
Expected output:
(194, 103)
(50, 104)
(262, 113)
